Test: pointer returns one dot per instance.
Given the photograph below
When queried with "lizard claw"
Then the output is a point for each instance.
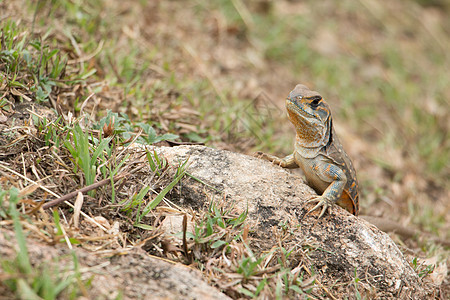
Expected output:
(263, 156)
(324, 202)
(258, 154)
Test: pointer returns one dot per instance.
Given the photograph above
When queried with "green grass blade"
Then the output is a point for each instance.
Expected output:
(22, 256)
(162, 194)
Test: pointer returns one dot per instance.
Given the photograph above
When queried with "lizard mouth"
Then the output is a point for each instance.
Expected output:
(292, 104)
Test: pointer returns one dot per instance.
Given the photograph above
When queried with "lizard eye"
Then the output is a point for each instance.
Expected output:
(315, 101)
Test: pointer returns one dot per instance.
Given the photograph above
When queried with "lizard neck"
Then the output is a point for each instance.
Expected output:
(311, 132)
(306, 152)
(313, 138)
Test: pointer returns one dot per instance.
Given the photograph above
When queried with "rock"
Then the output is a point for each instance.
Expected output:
(133, 273)
(340, 246)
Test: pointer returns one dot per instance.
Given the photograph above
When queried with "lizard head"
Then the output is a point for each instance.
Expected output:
(310, 115)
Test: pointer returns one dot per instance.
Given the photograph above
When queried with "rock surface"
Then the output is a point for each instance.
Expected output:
(343, 245)
(136, 274)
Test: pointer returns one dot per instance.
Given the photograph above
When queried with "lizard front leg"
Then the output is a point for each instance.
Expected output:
(285, 162)
(326, 173)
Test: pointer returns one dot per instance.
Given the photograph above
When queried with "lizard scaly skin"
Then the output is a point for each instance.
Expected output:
(318, 152)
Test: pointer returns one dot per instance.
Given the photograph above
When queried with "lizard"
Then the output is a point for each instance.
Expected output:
(319, 153)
